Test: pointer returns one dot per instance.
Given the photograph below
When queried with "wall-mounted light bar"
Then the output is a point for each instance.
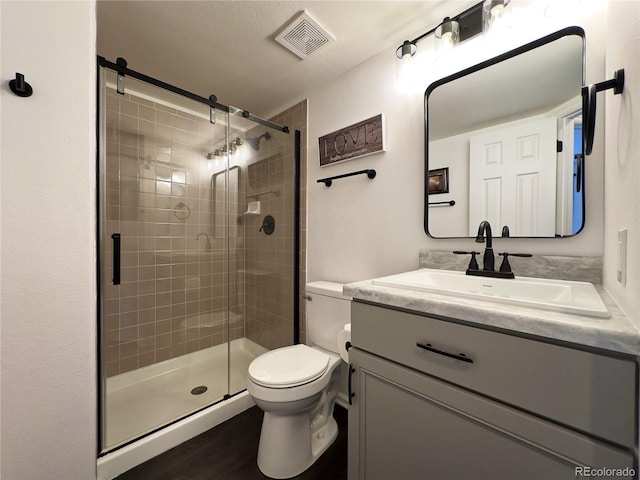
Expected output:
(464, 26)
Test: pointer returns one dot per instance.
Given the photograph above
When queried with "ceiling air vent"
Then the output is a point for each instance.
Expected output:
(303, 36)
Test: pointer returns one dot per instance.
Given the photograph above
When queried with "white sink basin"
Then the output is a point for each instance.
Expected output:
(579, 298)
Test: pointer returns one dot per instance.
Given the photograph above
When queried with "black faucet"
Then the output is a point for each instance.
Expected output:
(505, 267)
(488, 267)
(488, 263)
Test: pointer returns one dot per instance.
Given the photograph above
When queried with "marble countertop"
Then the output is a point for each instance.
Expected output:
(616, 334)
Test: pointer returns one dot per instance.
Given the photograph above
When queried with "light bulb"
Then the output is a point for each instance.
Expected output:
(449, 33)
(496, 10)
(495, 18)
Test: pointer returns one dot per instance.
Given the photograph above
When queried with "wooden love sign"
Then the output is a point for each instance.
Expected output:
(362, 138)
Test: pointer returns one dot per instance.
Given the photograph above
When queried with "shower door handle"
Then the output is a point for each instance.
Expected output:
(116, 258)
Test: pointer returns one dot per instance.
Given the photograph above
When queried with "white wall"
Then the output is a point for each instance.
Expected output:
(622, 187)
(451, 152)
(47, 224)
(360, 228)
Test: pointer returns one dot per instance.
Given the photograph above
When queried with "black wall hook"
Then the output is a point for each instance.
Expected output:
(20, 87)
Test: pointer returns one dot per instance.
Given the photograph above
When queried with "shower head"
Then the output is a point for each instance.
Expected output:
(255, 142)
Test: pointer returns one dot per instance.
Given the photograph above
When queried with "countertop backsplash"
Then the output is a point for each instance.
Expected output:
(578, 269)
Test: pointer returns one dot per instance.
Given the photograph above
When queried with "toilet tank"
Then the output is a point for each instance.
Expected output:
(328, 311)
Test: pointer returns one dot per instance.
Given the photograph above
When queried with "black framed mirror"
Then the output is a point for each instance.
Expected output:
(504, 143)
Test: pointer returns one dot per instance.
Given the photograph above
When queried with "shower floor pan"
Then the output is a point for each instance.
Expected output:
(140, 401)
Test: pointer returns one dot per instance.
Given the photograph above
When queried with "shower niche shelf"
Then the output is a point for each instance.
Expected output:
(253, 208)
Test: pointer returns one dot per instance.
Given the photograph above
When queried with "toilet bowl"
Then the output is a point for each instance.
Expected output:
(296, 387)
(298, 424)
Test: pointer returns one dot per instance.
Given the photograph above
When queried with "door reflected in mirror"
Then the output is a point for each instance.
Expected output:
(509, 133)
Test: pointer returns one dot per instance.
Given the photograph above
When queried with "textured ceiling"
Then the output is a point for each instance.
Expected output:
(227, 48)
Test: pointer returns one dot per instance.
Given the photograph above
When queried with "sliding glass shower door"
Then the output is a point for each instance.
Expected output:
(164, 256)
(197, 253)
(264, 262)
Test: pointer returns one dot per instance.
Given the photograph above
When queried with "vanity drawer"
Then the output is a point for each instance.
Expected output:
(590, 392)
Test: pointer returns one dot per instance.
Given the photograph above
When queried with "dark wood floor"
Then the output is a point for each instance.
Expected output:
(228, 452)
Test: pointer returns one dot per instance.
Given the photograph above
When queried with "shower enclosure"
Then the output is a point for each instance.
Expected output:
(198, 246)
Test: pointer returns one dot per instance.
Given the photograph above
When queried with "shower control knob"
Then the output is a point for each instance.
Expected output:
(268, 225)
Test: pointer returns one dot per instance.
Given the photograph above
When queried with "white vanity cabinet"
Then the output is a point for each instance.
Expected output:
(475, 403)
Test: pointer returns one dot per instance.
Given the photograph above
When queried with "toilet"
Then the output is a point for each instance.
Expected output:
(296, 386)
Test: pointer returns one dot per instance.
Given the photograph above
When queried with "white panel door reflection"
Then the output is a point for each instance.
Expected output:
(512, 179)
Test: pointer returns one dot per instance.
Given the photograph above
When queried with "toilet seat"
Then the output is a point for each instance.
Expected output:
(288, 367)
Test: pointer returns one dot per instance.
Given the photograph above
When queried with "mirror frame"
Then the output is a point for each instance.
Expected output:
(573, 30)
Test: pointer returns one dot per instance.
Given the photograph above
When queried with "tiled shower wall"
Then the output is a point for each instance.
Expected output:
(173, 295)
(270, 258)
(296, 118)
(159, 196)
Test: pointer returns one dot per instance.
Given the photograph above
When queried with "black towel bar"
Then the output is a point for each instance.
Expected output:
(329, 180)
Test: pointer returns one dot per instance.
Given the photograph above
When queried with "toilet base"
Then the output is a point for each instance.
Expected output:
(288, 447)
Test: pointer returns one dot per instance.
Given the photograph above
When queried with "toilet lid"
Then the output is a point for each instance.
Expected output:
(288, 366)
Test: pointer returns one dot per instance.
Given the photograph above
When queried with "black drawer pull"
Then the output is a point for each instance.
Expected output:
(458, 356)
(116, 258)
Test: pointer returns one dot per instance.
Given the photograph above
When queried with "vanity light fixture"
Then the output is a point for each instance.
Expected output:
(406, 50)
(495, 18)
(448, 33)
(492, 11)
(454, 30)
(219, 152)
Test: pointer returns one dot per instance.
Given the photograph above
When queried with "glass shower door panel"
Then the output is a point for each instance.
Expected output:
(164, 326)
(261, 259)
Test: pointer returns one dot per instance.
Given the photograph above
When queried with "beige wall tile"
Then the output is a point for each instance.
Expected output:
(153, 154)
